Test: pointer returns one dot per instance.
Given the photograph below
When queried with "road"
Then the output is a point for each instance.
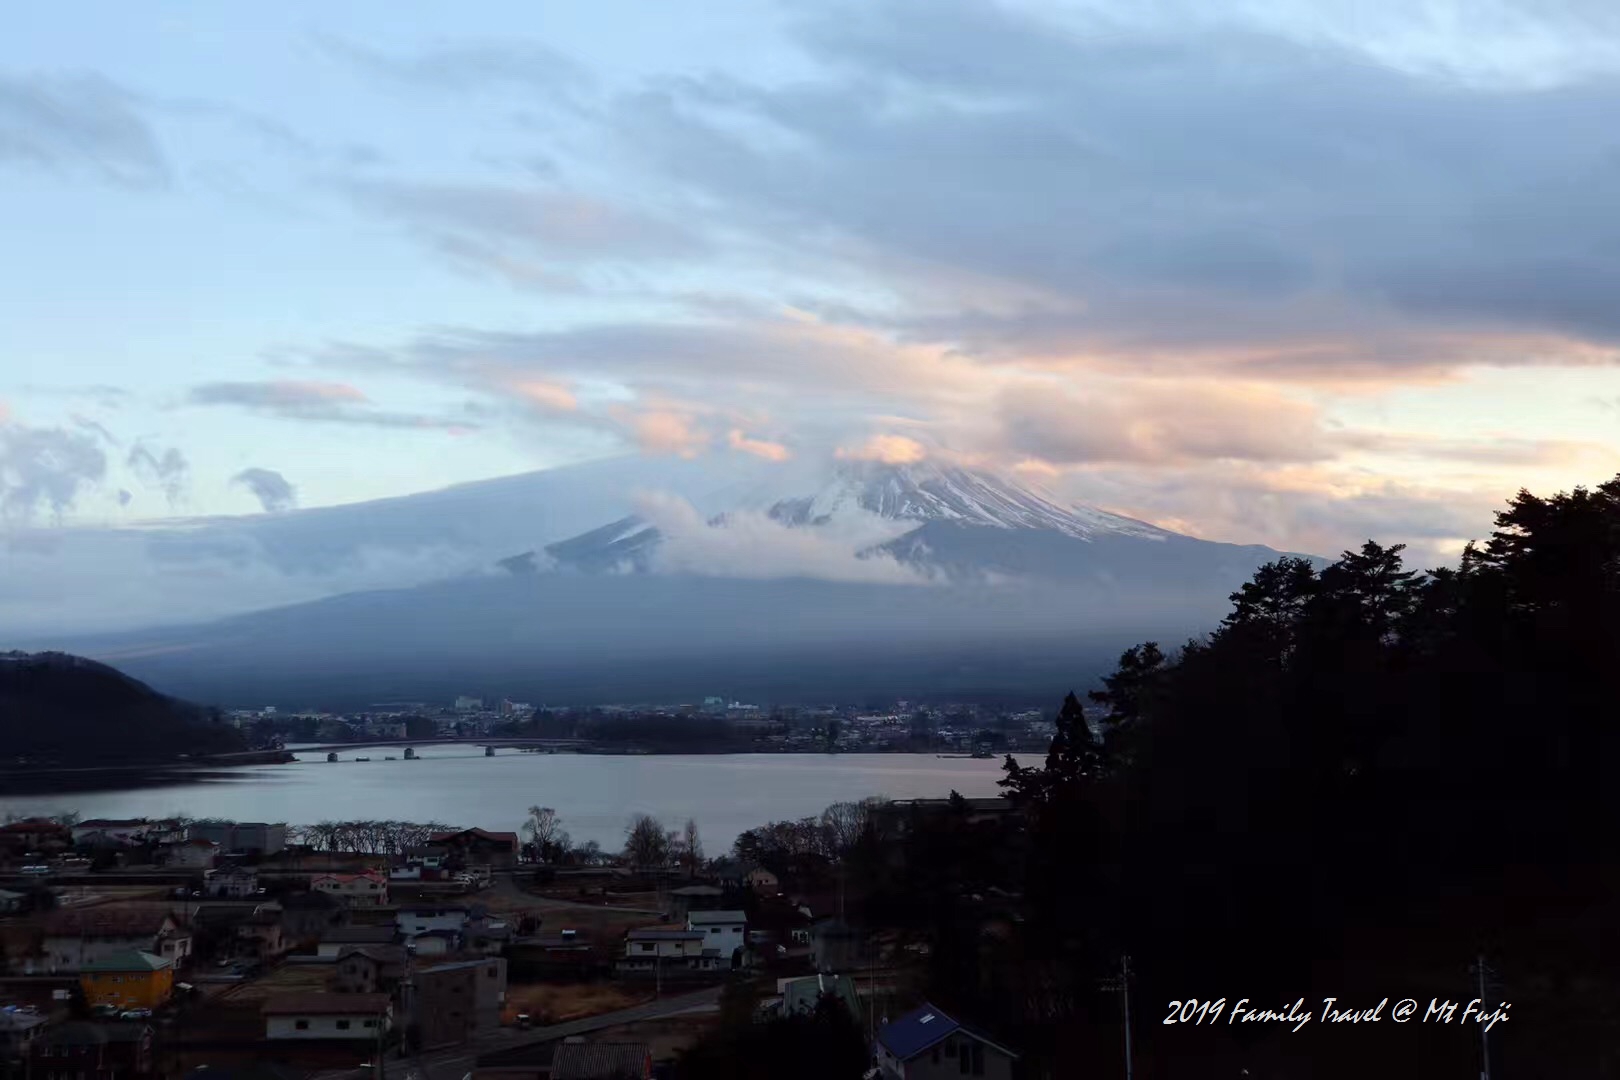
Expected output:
(456, 1062)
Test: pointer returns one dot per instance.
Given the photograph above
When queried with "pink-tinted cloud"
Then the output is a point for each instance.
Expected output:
(546, 395)
(889, 449)
(738, 440)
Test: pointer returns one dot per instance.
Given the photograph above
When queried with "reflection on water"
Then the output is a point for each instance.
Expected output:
(593, 794)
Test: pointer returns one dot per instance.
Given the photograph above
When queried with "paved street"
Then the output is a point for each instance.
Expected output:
(456, 1062)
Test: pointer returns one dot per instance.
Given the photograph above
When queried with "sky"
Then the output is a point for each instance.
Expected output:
(1287, 273)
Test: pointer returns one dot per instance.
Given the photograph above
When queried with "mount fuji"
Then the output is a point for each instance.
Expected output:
(797, 582)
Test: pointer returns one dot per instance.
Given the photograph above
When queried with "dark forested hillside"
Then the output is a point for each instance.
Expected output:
(66, 709)
(1364, 780)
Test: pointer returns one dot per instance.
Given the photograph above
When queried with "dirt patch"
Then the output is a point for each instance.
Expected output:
(286, 979)
(556, 1003)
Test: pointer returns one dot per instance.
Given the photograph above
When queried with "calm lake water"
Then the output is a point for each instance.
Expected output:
(594, 795)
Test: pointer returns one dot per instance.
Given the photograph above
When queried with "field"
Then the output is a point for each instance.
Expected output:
(556, 1003)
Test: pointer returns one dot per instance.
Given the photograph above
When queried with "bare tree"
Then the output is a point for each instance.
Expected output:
(543, 829)
(691, 847)
(646, 844)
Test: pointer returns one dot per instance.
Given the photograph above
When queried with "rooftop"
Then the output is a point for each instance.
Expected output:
(128, 960)
(326, 1005)
(358, 935)
(108, 920)
(704, 918)
(590, 1061)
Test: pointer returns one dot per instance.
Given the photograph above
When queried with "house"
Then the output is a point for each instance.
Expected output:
(130, 980)
(580, 1060)
(803, 995)
(260, 935)
(458, 1000)
(194, 854)
(420, 919)
(339, 939)
(309, 915)
(35, 834)
(436, 942)
(657, 951)
(477, 847)
(369, 889)
(369, 969)
(726, 931)
(835, 945)
(925, 1044)
(231, 882)
(110, 832)
(74, 937)
(762, 881)
(86, 1051)
(18, 1026)
(358, 1017)
(248, 837)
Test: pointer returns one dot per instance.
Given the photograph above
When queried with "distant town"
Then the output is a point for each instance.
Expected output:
(712, 726)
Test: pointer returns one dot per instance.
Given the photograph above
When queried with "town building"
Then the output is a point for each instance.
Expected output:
(248, 837)
(725, 931)
(128, 980)
(339, 939)
(193, 854)
(577, 1059)
(369, 969)
(355, 1017)
(369, 889)
(75, 937)
(459, 1000)
(232, 883)
(661, 951)
(478, 847)
(79, 1050)
(925, 1044)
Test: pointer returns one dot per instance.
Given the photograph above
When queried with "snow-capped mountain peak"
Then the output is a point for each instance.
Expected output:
(926, 491)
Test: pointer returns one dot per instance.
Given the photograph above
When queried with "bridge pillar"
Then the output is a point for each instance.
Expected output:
(410, 753)
(489, 751)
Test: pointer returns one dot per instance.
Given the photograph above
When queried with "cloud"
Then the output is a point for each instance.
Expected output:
(890, 449)
(466, 66)
(663, 431)
(740, 441)
(527, 236)
(272, 490)
(44, 468)
(753, 545)
(545, 396)
(81, 124)
(1165, 192)
(325, 402)
(1159, 423)
(169, 471)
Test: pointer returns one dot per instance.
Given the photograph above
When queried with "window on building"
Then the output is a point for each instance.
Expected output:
(343, 1025)
(950, 1048)
(301, 1025)
(371, 1023)
(978, 1060)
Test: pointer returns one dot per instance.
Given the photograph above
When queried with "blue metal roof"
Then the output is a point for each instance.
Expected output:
(916, 1031)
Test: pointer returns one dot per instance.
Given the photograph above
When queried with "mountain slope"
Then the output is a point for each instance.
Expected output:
(60, 708)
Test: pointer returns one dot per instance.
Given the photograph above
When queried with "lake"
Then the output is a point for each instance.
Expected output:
(594, 795)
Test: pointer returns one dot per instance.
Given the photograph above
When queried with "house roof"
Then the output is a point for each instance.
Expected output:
(368, 875)
(704, 918)
(474, 834)
(128, 960)
(108, 920)
(699, 890)
(599, 1061)
(358, 935)
(7, 894)
(112, 823)
(454, 965)
(921, 1028)
(802, 995)
(916, 1031)
(656, 934)
(384, 956)
(85, 1033)
(318, 1004)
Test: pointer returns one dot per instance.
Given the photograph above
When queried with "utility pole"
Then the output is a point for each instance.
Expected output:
(1125, 989)
(1123, 985)
(1480, 970)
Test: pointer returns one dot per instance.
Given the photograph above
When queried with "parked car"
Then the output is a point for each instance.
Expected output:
(135, 1014)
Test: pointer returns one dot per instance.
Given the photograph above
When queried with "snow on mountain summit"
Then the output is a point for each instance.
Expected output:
(926, 491)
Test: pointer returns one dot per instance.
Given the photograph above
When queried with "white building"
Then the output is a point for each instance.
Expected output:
(190, 855)
(362, 1017)
(232, 882)
(726, 931)
(662, 950)
(421, 920)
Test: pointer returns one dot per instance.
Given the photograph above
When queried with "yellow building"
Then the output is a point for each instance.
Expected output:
(128, 979)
